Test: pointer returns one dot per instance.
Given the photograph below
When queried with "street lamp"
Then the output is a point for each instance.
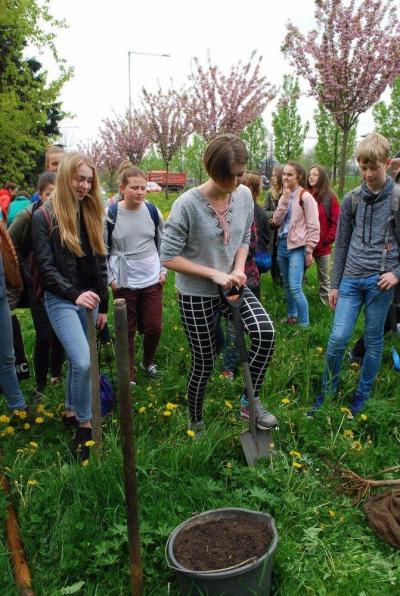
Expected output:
(129, 70)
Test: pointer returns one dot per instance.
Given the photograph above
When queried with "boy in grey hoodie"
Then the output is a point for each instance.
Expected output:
(365, 270)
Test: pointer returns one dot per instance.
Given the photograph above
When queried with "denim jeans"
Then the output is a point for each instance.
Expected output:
(291, 265)
(354, 292)
(69, 323)
(8, 375)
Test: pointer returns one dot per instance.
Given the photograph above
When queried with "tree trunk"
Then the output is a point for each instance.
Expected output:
(342, 166)
(335, 155)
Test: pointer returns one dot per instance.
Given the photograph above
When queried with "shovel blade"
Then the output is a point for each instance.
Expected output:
(258, 447)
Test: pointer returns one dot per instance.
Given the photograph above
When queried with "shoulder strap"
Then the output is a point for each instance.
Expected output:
(111, 221)
(301, 202)
(395, 208)
(155, 217)
(327, 202)
(46, 216)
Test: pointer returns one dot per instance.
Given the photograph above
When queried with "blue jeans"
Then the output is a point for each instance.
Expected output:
(354, 292)
(291, 265)
(69, 323)
(8, 375)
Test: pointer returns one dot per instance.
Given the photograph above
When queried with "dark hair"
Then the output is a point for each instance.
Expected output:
(10, 186)
(301, 172)
(129, 173)
(253, 181)
(322, 187)
(45, 180)
(222, 153)
(23, 193)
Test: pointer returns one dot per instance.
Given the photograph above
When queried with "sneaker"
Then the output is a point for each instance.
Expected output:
(79, 448)
(289, 321)
(228, 374)
(357, 403)
(264, 419)
(69, 421)
(151, 370)
(316, 405)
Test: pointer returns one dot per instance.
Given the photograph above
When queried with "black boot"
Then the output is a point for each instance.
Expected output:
(79, 448)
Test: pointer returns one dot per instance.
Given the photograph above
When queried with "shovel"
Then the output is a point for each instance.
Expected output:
(256, 443)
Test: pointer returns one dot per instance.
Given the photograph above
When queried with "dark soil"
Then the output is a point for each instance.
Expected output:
(219, 543)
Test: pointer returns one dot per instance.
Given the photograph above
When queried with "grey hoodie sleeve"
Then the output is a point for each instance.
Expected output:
(342, 243)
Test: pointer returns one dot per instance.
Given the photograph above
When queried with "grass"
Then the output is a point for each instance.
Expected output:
(73, 518)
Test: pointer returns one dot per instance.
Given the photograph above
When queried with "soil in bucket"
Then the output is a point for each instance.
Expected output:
(219, 544)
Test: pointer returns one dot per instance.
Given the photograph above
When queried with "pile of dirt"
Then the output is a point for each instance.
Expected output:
(217, 544)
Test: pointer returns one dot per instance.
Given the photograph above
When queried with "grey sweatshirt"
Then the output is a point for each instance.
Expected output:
(358, 251)
(193, 231)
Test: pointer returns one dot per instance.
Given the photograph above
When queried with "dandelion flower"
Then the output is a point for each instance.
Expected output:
(229, 465)
(181, 349)
(4, 419)
(26, 426)
(332, 513)
(141, 410)
(20, 450)
(348, 434)
(319, 350)
(90, 443)
(171, 406)
(356, 446)
(294, 453)
(363, 417)
(228, 405)
(167, 413)
(286, 401)
(33, 445)
(40, 408)
(32, 482)
(48, 414)
(297, 465)
(190, 433)
(39, 420)
(9, 430)
(22, 414)
(85, 462)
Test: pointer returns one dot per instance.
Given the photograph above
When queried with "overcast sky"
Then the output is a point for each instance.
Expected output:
(100, 34)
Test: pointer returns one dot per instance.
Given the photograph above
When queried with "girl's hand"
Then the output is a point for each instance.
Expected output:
(223, 279)
(162, 279)
(333, 296)
(286, 192)
(240, 277)
(101, 321)
(88, 299)
(114, 286)
(309, 259)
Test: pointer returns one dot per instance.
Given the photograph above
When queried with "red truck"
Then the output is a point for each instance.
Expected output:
(176, 180)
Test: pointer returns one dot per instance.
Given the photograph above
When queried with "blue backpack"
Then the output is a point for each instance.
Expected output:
(112, 220)
(107, 396)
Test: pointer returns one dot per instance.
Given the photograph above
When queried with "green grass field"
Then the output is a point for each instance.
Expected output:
(72, 516)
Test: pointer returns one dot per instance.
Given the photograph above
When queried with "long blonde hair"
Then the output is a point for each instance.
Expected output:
(66, 206)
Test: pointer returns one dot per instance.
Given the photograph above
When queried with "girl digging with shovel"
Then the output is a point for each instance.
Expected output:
(206, 239)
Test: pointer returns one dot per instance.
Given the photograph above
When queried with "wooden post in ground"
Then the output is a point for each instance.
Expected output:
(128, 444)
(95, 382)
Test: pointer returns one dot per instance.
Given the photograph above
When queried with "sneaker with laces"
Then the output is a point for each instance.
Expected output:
(264, 419)
(357, 403)
(316, 405)
(151, 370)
(80, 449)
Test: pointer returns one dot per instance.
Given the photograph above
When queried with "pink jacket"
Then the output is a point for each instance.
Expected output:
(304, 221)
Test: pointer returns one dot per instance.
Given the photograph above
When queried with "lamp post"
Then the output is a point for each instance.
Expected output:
(129, 70)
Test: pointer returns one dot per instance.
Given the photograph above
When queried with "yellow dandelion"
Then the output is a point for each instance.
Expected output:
(9, 430)
(355, 365)
(297, 465)
(332, 513)
(363, 417)
(48, 414)
(171, 406)
(181, 349)
(20, 450)
(175, 327)
(22, 414)
(32, 482)
(40, 408)
(228, 405)
(319, 350)
(167, 413)
(26, 426)
(141, 410)
(4, 419)
(33, 445)
(294, 453)
(356, 446)
(190, 433)
(346, 411)
(229, 465)
(348, 434)
(85, 462)
(286, 401)
(39, 420)
(90, 443)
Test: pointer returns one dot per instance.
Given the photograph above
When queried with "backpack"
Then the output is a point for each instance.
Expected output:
(326, 201)
(107, 396)
(393, 219)
(112, 220)
(34, 269)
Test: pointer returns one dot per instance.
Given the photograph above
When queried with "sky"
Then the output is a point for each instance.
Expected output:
(101, 34)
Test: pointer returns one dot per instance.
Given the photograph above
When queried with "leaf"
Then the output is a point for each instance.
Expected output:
(73, 589)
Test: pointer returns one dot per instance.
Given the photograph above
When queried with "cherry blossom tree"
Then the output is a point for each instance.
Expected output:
(167, 121)
(228, 103)
(94, 150)
(348, 60)
(126, 135)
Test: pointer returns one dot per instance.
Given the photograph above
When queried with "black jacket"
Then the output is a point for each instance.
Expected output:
(58, 266)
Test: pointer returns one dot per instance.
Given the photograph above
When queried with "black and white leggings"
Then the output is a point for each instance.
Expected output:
(198, 316)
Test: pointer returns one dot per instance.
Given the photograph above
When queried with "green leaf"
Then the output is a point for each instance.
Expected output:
(73, 589)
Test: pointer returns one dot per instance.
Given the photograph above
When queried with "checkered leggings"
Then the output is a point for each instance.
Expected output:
(198, 316)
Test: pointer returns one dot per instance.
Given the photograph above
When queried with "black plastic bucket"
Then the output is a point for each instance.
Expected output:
(253, 578)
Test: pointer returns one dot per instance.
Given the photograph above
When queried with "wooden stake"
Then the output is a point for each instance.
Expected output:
(128, 444)
(95, 382)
